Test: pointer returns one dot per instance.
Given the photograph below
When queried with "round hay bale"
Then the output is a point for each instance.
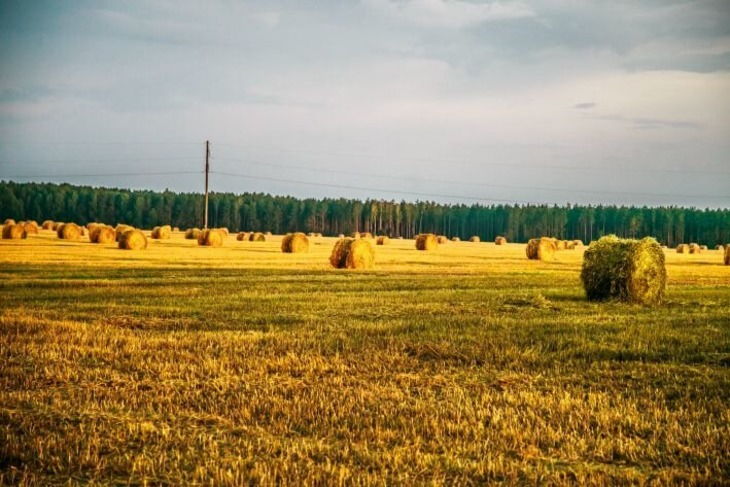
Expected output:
(8, 222)
(366, 235)
(56, 225)
(47, 225)
(427, 241)
(69, 231)
(475, 238)
(500, 240)
(132, 239)
(694, 248)
(442, 239)
(102, 234)
(727, 254)
(269, 234)
(350, 253)
(683, 249)
(294, 243)
(257, 237)
(210, 238)
(578, 243)
(703, 247)
(383, 240)
(14, 231)
(453, 239)
(162, 232)
(224, 231)
(561, 244)
(341, 235)
(318, 235)
(192, 233)
(31, 228)
(569, 245)
(175, 229)
(720, 247)
(543, 248)
(355, 234)
(121, 228)
(242, 236)
(625, 269)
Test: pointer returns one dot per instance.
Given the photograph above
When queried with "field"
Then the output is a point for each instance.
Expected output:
(186, 365)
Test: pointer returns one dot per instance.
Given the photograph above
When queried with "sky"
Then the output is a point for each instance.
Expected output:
(564, 101)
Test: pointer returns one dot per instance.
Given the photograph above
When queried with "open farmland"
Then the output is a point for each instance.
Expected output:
(189, 365)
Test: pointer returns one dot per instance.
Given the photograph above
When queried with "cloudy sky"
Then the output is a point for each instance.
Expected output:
(449, 100)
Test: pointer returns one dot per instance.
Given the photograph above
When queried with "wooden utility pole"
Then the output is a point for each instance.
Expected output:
(207, 170)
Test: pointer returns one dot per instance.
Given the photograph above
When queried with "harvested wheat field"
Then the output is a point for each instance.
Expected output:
(188, 365)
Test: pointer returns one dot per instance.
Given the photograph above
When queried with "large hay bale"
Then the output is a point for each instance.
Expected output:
(382, 240)
(543, 248)
(31, 227)
(102, 234)
(69, 231)
(625, 269)
(132, 239)
(350, 253)
(210, 238)
(192, 233)
(47, 225)
(727, 254)
(242, 236)
(121, 228)
(9, 222)
(257, 237)
(294, 242)
(14, 231)
(683, 249)
(500, 240)
(56, 225)
(453, 239)
(427, 241)
(162, 232)
(694, 248)
(475, 238)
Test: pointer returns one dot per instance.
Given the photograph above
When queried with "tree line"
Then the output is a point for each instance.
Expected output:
(281, 214)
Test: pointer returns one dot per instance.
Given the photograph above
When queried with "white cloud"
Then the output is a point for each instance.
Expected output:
(451, 13)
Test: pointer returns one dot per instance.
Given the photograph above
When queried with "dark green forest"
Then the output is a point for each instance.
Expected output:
(281, 214)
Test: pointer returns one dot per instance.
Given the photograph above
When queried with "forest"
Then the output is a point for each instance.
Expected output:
(281, 214)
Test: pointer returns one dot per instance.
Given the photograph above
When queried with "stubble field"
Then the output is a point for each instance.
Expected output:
(187, 365)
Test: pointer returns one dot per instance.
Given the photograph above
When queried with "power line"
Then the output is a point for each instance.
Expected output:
(488, 185)
(87, 161)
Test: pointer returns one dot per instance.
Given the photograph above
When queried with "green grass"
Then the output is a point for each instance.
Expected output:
(467, 365)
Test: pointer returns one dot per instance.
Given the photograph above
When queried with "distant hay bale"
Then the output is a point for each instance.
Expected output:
(720, 247)
(268, 234)
(102, 234)
(625, 269)
(569, 245)
(453, 239)
(257, 237)
(578, 243)
(341, 235)
(442, 239)
(175, 229)
(543, 248)
(311, 234)
(295, 242)
(427, 241)
(318, 235)
(56, 225)
(355, 234)
(192, 233)
(382, 240)
(47, 225)
(162, 232)
(475, 238)
(703, 247)
(69, 231)
(683, 249)
(14, 231)
(132, 239)
(561, 244)
(694, 248)
(242, 236)
(9, 222)
(500, 241)
(366, 235)
(31, 228)
(350, 253)
(210, 237)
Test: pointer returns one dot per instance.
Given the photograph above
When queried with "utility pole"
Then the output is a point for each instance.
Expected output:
(207, 170)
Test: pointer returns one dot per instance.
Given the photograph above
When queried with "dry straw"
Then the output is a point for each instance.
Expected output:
(210, 238)
(426, 241)
(47, 225)
(442, 239)
(366, 235)
(382, 240)
(294, 242)
(102, 234)
(162, 232)
(192, 233)
(350, 253)
(14, 231)
(242, 236)
(132, 239)
(453, 239)
(475, 238)
(694, 248)
(578, 243)
(561, 244)
(223, 230)
(703, 247)
(624, 269)
(257, 237)
(121, 228)
(500, 241)
(543, 248)
(56, 225)
(31, 227)
(69, 231)
(9, 221)
(355, 234)
(683, 249)
(727, 254)
(720, 247)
